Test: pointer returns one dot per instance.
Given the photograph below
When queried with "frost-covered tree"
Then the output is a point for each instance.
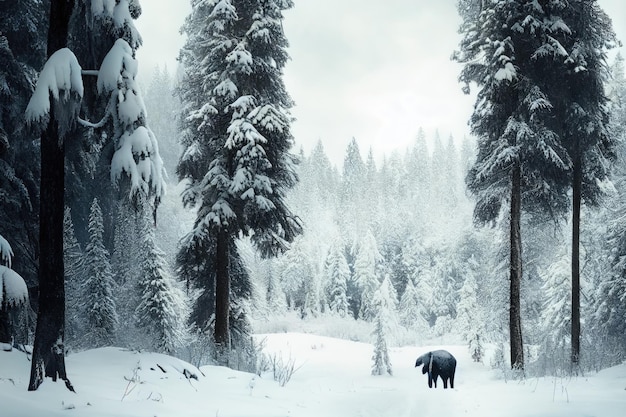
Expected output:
(236, 136)
(297, 272)
(98, 288)
(579, 52)
(161, 106)
(383, 322)
(366, 275)
(557, 307)
(506, 51)
(162, 311)
(337, 276)
(470, 318)
(608, 306)
(410, 310)
(73, 258)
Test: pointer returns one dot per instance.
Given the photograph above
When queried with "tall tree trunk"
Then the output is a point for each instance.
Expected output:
(515, 323)
(222, 298)
(576, 197)
(48, 351)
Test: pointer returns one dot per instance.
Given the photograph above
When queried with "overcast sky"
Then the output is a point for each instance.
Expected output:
(370, 69)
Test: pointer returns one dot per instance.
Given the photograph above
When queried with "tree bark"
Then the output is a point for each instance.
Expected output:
(222, 298)
(48, 351)
(576, 200)
(515, 323)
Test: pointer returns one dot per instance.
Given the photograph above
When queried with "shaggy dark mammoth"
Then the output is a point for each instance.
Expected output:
(439, 363)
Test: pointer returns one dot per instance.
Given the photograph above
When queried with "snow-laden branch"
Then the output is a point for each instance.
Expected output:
(61, 79)
(90, 125)
(6, 253)
(13, 290)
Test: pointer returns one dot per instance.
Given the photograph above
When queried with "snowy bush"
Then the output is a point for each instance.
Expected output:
(282, 368)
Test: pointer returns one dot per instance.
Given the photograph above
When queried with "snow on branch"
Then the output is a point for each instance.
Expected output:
(122, 14)
(60, 78)
(13, 290)
(6, 253)
(136, 148)
(137, 154)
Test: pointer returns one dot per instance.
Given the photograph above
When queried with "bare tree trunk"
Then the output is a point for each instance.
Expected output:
(576, 197)
(515, 323)
(48, 351)
(222, 298)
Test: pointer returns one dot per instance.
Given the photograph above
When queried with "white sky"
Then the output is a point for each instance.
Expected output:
(373, 70)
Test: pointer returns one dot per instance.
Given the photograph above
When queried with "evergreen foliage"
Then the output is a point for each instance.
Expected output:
(235, 135)
(73, 258)
(338, 274)
(98, 288)
(162, 311)
(383, 320)
(366, 275)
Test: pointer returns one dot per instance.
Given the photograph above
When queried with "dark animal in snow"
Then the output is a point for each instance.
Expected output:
(439, 363)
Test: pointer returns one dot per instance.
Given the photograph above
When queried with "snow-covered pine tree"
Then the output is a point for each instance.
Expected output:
(578, 53)
(73, 258)
(470, 319)
(161, 106)
(411, 310)
(162, 311)
(236, 136)
(98, 303)
(275, 296)
(352, 218)
(518, 145)
(337, 276)
(607, 323)
(556, 317)
(383, 321)
(366, 271)
(295, 271)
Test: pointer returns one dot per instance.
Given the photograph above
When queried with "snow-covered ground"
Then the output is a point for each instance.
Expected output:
(332, 379)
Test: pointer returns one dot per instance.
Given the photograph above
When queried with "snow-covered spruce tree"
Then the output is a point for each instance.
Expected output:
(73, 259)
(98, 288)
(235, 136)
(578, 54)
(556, 315)
(162, 105)
(95, 27)
(13, 291)
(296, 272)
(411, 310)
(383, 321)
(126, 260)
(337, 276)
(366, 275)
(162, 311)
(608, 307)
(352, 218)
(519, 149)
(470, 319)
